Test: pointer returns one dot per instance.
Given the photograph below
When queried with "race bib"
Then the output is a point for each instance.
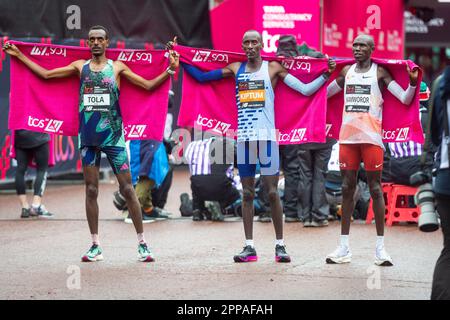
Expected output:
(96, 98)
(357, 98)
(252, 94)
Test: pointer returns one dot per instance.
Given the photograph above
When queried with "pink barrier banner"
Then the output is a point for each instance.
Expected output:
(52, 105)
(211, 106)
(400, 122)
(343, 20)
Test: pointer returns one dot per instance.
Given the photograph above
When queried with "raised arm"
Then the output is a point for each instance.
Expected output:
(338, 84)
(205, 76)
(202, 76)
(405, 96)
(136, 79)
(63, 72)
(306, 89)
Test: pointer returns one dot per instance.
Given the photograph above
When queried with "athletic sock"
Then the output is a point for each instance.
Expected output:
(141, 238)
(279, 242)
(95, 239)
(250, 243)
(380, 242)
(344, 240)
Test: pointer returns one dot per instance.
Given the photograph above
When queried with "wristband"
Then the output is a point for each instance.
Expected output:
(170, 71)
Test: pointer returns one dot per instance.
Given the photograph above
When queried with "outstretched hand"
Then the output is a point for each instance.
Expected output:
(331, 65)
(11, 49)
(171, 44)
(413, 75)
(174, 59)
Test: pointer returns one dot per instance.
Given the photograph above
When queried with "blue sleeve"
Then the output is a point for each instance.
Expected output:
(201, 76)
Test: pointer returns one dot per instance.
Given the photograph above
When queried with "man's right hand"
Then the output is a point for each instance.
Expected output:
(171, 44)
(11, 49)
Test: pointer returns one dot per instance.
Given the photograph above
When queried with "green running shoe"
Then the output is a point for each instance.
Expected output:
(93, 254)
(144, 253)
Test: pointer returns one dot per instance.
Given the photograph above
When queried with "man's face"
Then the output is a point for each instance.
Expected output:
(98, 42)
(252, 44)
(362, 49)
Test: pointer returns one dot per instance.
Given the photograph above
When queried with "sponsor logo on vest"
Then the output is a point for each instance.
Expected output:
(49, 125)
(135, 56)
(48, 51)
(136, 131)
(208, 56)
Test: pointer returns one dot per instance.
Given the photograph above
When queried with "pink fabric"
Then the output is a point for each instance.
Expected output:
(400, 122)
(212, 106)
(52, 105)
(32, 163)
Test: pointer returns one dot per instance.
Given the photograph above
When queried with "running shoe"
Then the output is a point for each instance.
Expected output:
(197, 215)
(144, 253)
(40, 212)
(156, 214)
(145, 219)
(248, 254)
(307, 224)
(341, 255)
(382, 258)
(265, 217)
(281, 255)
(25, 213)
(291, 218)
(93, 254)
(319, 223)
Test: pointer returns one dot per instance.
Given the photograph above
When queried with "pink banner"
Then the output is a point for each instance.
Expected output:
(343, 20)
(299, 18)
(52, 105)
(400, 122)
(211, 106)
(270, 17)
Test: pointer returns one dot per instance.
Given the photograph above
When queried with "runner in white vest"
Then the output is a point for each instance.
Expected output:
(360, 138)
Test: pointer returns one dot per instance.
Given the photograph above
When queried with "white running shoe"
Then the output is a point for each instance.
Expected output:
(382, 258)
(341, 255)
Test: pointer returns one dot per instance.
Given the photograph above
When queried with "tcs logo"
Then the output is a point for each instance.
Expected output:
(215, 125)
(48, 51)
(399, 134)
(135, 56)
(296, 135)
(49, 125)
(135, 131)
(208, 56)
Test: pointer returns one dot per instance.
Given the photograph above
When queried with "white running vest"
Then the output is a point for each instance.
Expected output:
(363, 108)
(255, 101)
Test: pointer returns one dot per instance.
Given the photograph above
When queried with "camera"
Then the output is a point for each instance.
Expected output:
(424, 198)
(119, 201)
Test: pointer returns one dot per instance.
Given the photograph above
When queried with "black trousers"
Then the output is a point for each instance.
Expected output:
(40, 156)
(212, 188)
(441, 278)
(304, 171)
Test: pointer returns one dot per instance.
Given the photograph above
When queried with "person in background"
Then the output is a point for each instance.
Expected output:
(211, 175)
(304, 166)
(404, 158)
(31, 148)
(441, 137)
